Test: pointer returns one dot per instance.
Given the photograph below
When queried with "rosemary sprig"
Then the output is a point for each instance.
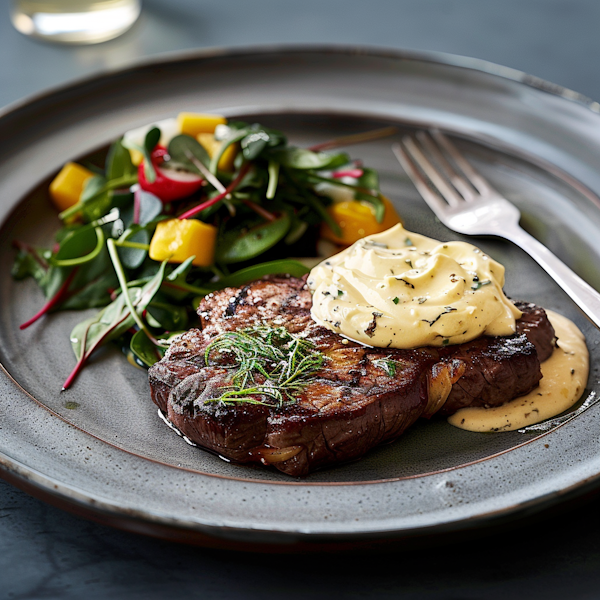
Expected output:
(268, 361)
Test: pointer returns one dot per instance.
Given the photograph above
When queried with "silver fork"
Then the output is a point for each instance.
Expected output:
(466, 203)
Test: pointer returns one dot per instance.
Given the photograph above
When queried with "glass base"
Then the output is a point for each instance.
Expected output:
(74, 21)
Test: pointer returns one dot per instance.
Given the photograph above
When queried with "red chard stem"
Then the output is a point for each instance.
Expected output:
(56, 299)
(194, 211)
(79, 365)
(31, 251)
(259, 210)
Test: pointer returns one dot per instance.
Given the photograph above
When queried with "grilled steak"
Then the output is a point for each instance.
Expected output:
(360, 397)
(501, 368)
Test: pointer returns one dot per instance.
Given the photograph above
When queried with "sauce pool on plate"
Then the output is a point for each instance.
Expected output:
(564, 376)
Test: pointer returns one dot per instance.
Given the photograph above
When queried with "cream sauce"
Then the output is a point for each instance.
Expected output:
(399, 289)
(564, 376)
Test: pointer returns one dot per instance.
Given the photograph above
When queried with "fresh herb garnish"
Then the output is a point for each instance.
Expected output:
(268, 362)
(408, 283)
(447, 309)
(390, 366)
(479, 284)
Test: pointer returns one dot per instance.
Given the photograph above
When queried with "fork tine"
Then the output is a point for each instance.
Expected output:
(479, 183)
(463, 186)
(435, 202)
(452, 198)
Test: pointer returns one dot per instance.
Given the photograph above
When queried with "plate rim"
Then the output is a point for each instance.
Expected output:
(19, 476)
(439, 58)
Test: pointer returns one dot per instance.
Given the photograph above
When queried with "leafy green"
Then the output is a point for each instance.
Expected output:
(111, 322)
(274, 267)
(299, 158)
(376, 202)
(369, 179)
(145, 350)
(132, 257)
(257, 139)
(29, 263)
(95, 198)
(186, 151)
(273, 179)
(247, 242)
(92, 285)
(254, 139)
(79, 247)
(98, 197)
(148, 352)
(118, 162)
(165, 316)
(315, 202)
(175, 284)
(150, 208)
(150, 141)
(236, 137)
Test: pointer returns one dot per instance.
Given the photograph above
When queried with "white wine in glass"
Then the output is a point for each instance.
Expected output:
(74, 21)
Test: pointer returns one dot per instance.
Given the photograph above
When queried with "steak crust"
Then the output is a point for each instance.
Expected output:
(353, 403)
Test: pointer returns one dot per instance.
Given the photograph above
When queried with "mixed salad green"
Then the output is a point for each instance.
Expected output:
(109, 253)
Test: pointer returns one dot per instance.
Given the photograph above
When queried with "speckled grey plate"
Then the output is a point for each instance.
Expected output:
(110, 458)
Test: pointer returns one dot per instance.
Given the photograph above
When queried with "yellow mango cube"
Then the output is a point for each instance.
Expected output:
(67, 186)
(176, 240)
(357, 220)
(195, 123)
(136, 157)
(213, 147)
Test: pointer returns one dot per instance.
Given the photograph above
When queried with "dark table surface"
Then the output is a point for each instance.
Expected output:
(46, 553)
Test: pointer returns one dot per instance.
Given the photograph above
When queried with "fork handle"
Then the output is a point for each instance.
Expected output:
(583, 294)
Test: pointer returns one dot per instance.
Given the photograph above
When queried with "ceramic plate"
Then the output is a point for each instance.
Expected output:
(100, 450)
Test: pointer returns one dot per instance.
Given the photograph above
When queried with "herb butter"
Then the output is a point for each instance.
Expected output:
(399, 289)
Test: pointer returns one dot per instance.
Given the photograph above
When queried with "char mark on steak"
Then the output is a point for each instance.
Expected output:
(359, 399)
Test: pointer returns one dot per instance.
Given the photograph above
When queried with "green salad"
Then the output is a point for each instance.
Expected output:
(185, 208)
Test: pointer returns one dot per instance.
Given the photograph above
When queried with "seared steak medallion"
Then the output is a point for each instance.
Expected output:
(358, 398)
